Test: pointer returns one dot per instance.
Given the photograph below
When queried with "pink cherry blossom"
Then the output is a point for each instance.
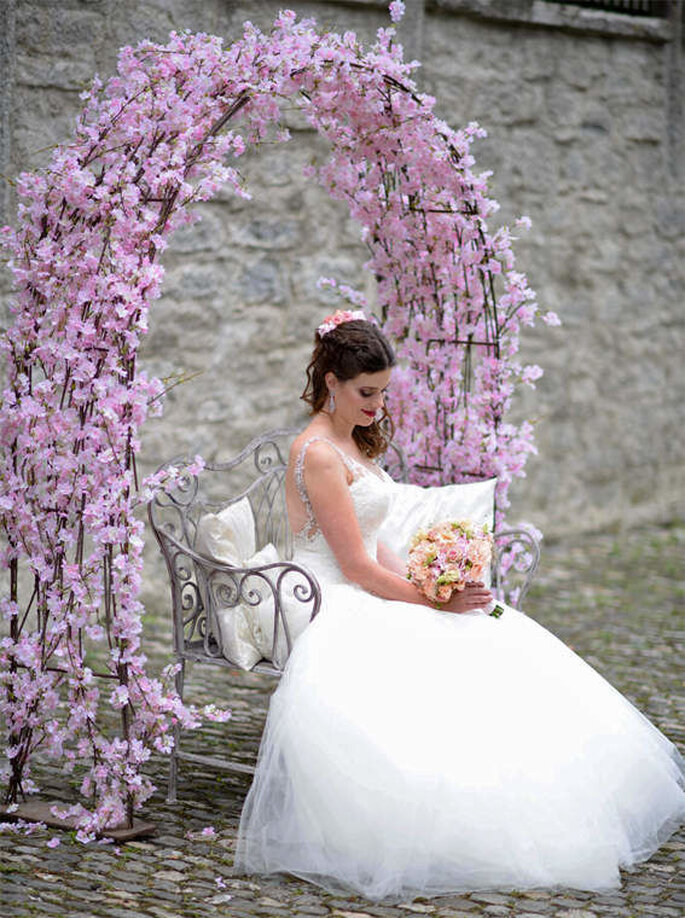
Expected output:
(396, 10)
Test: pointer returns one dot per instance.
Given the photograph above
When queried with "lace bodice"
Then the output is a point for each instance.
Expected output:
(370, 492)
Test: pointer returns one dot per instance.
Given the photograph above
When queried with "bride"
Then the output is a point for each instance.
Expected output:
(411, 750)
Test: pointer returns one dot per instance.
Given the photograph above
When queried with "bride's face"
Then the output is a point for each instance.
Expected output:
(359, 400)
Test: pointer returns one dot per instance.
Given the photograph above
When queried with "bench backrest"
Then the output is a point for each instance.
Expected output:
(257, 474)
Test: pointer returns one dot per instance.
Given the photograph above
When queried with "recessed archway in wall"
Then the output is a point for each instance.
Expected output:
(166, 132)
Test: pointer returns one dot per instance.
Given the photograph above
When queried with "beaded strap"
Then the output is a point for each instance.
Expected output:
(310, 526)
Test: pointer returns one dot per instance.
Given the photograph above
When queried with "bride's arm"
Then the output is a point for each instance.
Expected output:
(388, 559)
(325, 479)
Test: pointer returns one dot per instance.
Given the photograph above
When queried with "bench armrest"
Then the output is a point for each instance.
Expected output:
(517, 553)
(276, 601)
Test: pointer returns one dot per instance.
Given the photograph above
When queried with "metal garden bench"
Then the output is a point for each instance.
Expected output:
(201, 585)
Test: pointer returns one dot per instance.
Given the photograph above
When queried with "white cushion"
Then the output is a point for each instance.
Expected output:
(413, 507)
(229, 535)
(261, 616)
(247, 629)
(237, 642)
(236, 623)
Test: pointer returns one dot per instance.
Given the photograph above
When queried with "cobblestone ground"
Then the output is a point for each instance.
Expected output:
(618, 599)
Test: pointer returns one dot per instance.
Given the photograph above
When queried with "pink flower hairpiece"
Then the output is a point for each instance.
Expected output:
(339, 317)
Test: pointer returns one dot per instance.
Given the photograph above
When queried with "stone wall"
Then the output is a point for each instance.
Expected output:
(582, 112)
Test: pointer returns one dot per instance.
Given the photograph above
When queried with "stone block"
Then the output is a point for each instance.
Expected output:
(646, 126)
(195, 281)
(43, 117)
(208, 234)
(32, 28)
(532, 162)
(584, 64)
(75, 30)
(307, 269)
(267, 234)
(262, 282)
(63, 73)
(670, 214)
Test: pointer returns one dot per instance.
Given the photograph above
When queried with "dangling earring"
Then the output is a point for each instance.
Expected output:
(331, 403)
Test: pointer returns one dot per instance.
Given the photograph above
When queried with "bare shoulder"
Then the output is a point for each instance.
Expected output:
(322, 458)
(298, 443)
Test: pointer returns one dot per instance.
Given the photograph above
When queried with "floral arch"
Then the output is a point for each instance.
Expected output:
(162, 134)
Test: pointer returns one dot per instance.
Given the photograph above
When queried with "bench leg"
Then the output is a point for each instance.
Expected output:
(171, 796)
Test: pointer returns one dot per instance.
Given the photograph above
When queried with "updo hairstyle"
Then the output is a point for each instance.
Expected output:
(347, 351)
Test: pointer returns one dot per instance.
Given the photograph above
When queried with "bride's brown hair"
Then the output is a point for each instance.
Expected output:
(350, 349)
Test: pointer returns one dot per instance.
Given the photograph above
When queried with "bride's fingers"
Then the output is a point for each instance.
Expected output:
(464, 602)
(477, 592)
(473, 596)
(478, 598)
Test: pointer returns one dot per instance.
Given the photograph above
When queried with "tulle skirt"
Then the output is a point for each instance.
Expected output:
(411, 752)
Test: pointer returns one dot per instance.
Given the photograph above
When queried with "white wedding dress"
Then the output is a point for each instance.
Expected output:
(413, 752)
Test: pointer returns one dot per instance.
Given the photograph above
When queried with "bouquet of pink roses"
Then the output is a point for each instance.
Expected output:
(449, 555)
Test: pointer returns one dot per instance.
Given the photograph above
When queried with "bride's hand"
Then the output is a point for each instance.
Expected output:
(473, 596)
